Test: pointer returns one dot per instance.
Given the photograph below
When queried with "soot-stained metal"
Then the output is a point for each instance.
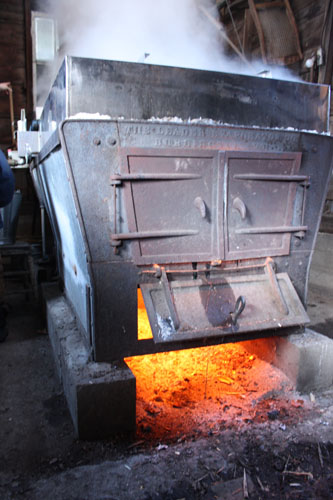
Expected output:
(203, 189)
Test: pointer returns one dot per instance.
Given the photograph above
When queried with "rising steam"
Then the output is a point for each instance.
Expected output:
(167, 32)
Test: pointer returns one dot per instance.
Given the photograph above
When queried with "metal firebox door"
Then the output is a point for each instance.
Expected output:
(203, 206)
(171, 205)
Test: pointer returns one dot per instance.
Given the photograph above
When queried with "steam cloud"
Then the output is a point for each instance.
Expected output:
(167, 32)
(172, 32)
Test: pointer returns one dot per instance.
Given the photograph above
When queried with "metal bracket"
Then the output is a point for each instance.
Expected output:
(169, 298)
(306, 184)
(272, 177)
(271, 230)
(119, 178)
(275, 287)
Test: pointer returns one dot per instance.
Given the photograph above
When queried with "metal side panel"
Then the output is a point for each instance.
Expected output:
(142, 91)
(72, 257)
(208, 308)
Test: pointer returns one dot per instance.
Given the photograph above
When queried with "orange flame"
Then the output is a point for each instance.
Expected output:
(199, 388)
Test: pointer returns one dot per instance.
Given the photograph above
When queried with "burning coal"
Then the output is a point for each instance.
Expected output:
(201, 391)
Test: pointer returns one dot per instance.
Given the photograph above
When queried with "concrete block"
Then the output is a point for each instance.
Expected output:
(306, 358)
(101, 396)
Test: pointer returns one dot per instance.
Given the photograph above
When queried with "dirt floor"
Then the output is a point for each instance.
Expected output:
(268, 442)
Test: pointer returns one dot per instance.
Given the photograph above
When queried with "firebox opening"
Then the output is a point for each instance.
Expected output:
(198, 391)
(144, 330)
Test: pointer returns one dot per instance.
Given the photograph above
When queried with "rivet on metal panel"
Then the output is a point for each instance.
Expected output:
(97, 141)
(111, 141)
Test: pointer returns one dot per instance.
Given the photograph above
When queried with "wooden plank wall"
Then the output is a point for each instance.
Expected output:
(310, 20)
(309, 17)
(13, 63)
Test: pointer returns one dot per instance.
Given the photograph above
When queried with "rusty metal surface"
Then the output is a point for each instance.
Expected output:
(204, 307)
(70, 239)
(164, 202)
(259, 204)
(96, 153)
(266, 186)
(143, 91)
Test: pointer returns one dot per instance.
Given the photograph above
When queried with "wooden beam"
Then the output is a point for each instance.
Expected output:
(257, 22)
(232, 3)
(248, 30)
(269, 5)
(326, 72)
(292, 21)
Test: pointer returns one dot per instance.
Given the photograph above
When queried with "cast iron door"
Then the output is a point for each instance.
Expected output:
(211, 308)
(260, 203)
(171, 205)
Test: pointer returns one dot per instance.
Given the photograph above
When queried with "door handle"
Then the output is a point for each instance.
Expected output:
(240, 206)
(239, 308)
(201, 206)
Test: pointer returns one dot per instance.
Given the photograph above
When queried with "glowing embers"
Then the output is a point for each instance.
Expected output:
(204, 390)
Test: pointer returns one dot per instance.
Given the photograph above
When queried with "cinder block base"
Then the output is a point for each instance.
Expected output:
(101, 396)
(306, 358)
